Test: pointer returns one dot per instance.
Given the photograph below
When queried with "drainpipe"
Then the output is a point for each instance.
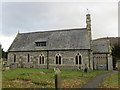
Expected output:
(47, 60)
(107, 61)
(93, 63)
(89, 60)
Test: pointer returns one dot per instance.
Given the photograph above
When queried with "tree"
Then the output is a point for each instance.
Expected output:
(0, 51)
(115, 54)
(4, 54)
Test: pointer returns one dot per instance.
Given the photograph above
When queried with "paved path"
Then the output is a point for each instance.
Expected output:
(95, 82)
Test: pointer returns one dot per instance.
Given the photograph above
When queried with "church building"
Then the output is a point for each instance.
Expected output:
(65, 49)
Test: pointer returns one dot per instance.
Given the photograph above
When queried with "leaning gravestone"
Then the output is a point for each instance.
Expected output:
(57, 78)
(12, 66)
(35, 61)
(34, 64)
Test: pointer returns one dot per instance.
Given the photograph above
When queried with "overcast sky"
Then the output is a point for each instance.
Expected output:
(41, 16)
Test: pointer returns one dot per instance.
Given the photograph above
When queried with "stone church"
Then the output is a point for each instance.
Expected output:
(66, 49)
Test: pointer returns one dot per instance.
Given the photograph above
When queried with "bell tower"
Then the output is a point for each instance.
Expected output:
(88, 27)
(88, 22)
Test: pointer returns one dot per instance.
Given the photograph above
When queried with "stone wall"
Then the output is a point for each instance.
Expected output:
(67, 58)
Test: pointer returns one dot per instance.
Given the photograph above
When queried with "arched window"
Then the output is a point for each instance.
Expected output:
(14, 58)
(78, 59)
(41, 59)
(58, 59)
(28, 58)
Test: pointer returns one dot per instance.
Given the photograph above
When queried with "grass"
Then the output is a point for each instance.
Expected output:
(111, 81)
(45, 77)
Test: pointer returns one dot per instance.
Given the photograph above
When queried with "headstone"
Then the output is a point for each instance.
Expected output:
(86, 69)
(57, 78)
(12, 66)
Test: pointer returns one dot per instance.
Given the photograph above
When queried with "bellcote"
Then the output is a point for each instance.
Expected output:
(88, 22)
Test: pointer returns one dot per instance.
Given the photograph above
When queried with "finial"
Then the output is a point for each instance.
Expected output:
(87, 11)
(18, 31)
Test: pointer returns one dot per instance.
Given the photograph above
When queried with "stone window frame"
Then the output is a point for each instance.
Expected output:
(78, 54)
(58, 55)
(40, 56)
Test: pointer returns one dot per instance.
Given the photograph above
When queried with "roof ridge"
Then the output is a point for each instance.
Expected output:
(106, 38)
(55, 30)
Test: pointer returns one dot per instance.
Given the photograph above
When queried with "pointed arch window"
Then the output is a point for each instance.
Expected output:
(41, 59)
(28, 58)
(78, 59)
(58, 59)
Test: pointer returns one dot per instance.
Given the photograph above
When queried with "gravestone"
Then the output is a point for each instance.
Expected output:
(57, 78)
(86, 68)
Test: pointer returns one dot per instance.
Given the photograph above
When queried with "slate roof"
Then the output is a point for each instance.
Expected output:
(113, 40)
(55, 40)
(101, 46)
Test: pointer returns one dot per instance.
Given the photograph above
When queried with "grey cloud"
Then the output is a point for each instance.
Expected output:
(31, 16)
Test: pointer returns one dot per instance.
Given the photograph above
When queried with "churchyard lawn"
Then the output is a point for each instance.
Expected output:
(44, 78)
(111, 81)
